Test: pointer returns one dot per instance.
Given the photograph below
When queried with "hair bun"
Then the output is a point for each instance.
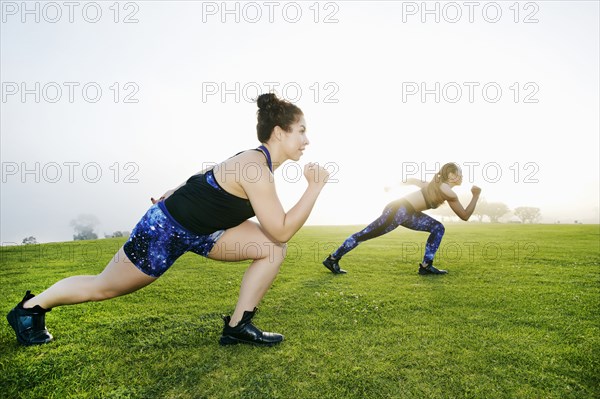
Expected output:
(267, 101)
(272, 112)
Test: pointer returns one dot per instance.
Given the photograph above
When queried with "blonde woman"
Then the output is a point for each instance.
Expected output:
(407, 212)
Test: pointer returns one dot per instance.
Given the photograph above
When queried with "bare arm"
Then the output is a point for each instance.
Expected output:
(282, 226)
(456, 206)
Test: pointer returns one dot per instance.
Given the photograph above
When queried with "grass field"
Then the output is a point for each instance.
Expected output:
(517, 317)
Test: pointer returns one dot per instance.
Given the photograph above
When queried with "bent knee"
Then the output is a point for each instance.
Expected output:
(274, 252)
(283, 250)
(278, 253)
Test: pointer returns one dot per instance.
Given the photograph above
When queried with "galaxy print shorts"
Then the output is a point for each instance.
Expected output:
(158, 240)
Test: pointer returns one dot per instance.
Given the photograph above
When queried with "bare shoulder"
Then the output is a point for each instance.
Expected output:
(251, 167)
(246, 157)
(246, 161)
(416, 182)
(243, 173)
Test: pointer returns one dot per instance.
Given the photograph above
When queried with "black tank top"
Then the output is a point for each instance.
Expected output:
(202, 206)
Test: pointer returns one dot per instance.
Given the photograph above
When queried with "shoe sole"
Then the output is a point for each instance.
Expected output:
(229, 340)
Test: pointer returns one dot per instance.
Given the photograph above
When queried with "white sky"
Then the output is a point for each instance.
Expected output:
(366, 59)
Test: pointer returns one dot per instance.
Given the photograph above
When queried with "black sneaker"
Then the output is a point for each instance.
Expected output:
(333, 266)
(29, 324)
(430, 269)
(247, 333)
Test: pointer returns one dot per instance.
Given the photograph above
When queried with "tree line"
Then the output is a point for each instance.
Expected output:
(84, 224)
(494, 211)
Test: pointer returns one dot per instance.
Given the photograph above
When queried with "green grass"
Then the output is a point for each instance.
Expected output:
(516, 317)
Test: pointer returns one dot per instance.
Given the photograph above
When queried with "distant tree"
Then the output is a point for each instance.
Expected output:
(527, 213)
(85, 235)
(84, 227)
(117, 234)
(494, 210)
(480, 209)
(29, 240)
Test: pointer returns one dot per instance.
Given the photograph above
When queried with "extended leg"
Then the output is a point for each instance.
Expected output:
(382, 225)
(391, 218)
(118, 278)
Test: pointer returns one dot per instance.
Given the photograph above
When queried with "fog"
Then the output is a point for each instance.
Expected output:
(104, 106)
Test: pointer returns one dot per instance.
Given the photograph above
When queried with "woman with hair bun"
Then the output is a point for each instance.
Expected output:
(208, 215)
(407, 212)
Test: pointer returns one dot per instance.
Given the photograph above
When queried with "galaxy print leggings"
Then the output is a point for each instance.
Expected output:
(397, 213)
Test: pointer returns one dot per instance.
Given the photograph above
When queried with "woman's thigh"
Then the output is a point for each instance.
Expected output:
(121, 277)
(246, 241)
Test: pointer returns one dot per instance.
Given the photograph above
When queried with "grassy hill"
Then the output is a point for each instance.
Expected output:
(516, 317)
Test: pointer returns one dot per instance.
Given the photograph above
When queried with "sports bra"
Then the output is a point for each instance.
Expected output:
(431, 204)
(202, 206)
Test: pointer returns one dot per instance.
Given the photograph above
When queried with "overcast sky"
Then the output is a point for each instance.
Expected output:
(104, 105)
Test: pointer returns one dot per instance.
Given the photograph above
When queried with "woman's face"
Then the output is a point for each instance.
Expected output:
(295, 139)
(455, 178)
